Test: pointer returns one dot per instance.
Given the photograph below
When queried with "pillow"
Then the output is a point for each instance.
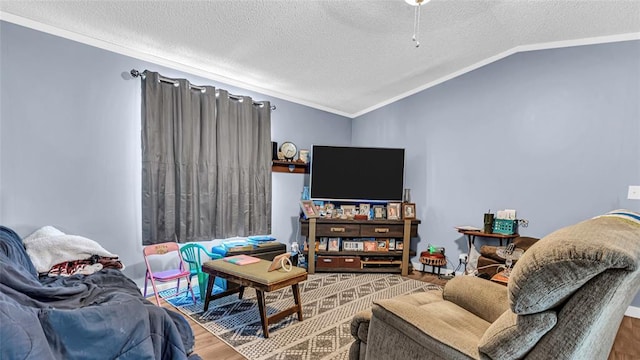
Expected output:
(43, 232)
(512, 336)
(560, 263)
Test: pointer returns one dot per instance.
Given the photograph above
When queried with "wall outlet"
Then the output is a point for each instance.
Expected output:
(634, 192)
(463, 258)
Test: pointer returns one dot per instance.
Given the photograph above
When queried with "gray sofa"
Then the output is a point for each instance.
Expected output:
(565, 300)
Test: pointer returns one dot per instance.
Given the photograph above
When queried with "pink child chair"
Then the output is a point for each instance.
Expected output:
(167, 275)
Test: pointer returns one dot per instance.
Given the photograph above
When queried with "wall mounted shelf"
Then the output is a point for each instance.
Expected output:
(289, 167)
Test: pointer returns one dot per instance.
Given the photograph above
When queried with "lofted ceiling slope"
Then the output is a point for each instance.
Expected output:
(347, 57)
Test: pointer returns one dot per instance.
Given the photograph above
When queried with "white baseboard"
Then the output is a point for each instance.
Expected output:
(633, 312)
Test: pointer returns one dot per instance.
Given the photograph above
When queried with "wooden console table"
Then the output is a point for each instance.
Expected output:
(356, 229)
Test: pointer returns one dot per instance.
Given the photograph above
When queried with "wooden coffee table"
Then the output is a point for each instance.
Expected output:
(256, 276)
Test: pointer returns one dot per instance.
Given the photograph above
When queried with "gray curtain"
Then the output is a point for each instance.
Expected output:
(206, 163)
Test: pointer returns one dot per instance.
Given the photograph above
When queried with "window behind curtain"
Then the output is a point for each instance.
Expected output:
(206, 163)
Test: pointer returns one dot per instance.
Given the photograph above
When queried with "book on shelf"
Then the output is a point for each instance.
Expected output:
(467, 228)
(241, 259)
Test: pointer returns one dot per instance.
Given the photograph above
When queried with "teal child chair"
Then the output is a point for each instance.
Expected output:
(192, 255)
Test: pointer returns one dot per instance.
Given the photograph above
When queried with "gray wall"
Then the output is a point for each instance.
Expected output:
(70, 142)
(554, 134)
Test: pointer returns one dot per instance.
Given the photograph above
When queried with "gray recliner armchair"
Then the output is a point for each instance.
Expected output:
(565, 300)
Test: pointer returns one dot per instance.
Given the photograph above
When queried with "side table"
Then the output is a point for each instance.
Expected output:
(433, 260)
(472, 234)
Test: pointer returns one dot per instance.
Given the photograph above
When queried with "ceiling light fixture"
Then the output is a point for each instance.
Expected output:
(416, 18)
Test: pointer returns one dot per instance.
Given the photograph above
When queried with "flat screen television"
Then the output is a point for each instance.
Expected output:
(347, 173)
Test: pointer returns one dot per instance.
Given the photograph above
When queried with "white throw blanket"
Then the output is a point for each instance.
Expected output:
(49, 246)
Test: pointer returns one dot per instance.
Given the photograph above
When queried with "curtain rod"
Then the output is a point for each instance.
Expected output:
(135, 73)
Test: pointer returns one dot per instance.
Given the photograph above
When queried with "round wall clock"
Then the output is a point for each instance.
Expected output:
(289, 149)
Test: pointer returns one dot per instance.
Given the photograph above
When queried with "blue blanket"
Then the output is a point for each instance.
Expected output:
(98, 316)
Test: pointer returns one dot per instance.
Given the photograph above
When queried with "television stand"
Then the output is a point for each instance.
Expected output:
(396, 261)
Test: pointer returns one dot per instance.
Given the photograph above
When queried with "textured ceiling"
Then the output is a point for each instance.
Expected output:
(347, 57)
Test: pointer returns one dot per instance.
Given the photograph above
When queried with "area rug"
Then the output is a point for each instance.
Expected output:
(329, 302)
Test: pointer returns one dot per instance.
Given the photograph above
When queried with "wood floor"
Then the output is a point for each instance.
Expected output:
(625, 347)
(207, 345)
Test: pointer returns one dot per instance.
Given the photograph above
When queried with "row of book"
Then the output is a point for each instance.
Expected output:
(373, 244)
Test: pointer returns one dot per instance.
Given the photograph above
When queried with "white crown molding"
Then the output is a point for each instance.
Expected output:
(229, 81)
(580, 42)
(438, 81)
(515, 50)
(101, 44)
